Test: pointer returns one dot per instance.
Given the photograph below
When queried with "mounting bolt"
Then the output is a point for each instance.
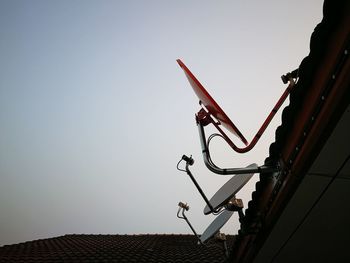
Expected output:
(333, 76)
(322, 98)
(345, 51)
(234, 204)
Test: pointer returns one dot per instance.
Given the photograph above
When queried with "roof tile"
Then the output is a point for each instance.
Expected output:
(114, 248)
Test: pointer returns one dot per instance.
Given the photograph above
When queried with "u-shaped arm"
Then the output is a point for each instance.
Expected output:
(203, 118)
(202, 115)
(226, 171)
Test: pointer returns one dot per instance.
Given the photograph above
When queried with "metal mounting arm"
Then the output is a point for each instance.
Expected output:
(219, 236)
(189, 161)
(203, 118)
(184, 207)
(226, 171)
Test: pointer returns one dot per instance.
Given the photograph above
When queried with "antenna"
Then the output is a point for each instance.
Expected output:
(228, 190)
(211, 113)
(225, 193)
(216, 225)
(189, 161)
(184, 207)
(212, 229)
(223, 203)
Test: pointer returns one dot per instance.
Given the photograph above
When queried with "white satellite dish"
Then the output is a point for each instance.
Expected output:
(215, 226)
(228, 190)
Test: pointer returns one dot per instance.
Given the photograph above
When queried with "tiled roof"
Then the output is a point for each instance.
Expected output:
(329, 48)
(114, 248)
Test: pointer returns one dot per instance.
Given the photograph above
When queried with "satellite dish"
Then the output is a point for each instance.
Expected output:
(215, 226)
(212, 109)
(229, 189)
(210, 104)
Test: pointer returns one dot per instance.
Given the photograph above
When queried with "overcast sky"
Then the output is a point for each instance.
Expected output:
(95, 112)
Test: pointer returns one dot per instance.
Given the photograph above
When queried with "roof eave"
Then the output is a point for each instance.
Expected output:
(324, 99)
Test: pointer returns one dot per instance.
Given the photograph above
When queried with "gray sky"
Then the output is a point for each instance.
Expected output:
(95, 112)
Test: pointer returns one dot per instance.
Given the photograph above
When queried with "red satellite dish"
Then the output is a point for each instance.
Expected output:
(210, 104)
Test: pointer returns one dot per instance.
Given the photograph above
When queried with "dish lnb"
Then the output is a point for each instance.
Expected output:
(184, 206)
(188, 160)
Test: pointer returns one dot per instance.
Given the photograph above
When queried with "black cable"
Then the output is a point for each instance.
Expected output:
(212, 136)
(177, 166)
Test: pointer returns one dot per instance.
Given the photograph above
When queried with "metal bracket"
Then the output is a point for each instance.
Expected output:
(203, 118)
(236, 204)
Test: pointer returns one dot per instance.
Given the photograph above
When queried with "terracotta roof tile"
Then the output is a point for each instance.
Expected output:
(114, 248)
